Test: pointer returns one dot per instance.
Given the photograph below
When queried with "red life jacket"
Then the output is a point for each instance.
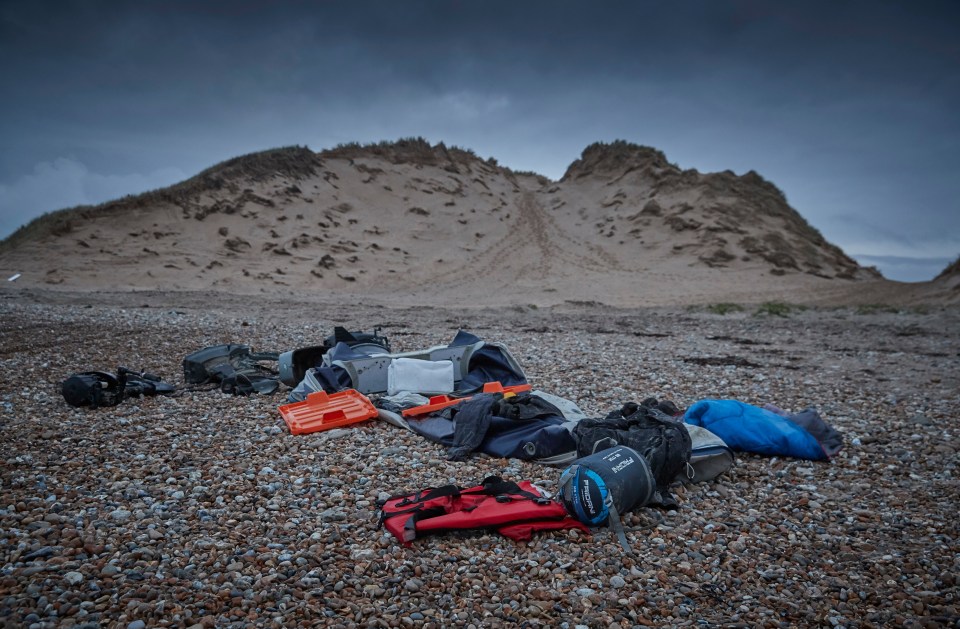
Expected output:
(513, 509)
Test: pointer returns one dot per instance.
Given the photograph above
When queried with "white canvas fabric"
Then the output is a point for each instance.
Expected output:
(429, 377)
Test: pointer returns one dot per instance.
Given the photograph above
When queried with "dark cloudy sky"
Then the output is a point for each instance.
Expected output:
(851, 108)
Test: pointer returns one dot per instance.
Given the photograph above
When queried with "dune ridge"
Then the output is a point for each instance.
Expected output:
(404, 222)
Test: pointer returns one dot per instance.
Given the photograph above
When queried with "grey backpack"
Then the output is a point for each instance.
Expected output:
(709, 456)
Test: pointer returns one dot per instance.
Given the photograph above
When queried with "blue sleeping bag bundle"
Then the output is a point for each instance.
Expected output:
(750, 428)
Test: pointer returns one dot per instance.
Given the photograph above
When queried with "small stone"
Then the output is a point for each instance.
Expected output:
(40, 553)
(120, 515)
(616, 581)
(73, 578)
(333, 514)
(137, 624)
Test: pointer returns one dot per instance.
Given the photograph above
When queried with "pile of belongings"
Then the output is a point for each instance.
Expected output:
(234, 368)
(472, 396)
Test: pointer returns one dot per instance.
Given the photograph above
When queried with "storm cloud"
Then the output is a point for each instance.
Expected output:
(850, 108)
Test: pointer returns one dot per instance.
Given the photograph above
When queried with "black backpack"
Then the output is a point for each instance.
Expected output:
(654, 429)
(92, 388)
(99, 388)
(234, 367)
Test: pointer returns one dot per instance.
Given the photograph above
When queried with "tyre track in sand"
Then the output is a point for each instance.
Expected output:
(534, 235)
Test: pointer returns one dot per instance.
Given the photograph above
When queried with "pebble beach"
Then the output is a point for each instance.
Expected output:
(201, 509)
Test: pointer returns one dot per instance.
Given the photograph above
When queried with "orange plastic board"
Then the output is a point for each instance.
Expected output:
(323, 411)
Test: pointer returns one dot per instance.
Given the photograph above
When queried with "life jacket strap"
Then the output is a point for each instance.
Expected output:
(427, 494)
(410, 526)
(496, 486)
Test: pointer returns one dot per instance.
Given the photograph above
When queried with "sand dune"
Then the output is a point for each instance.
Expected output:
(407, 223)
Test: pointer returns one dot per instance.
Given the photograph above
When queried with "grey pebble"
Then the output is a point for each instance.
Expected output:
(120, 515)
(73, 578)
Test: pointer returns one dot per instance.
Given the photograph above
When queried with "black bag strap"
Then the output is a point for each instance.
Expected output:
(264, 356)
(613, 519)
(242, 383)
(429, 494)
(496, 486)
(410, 526)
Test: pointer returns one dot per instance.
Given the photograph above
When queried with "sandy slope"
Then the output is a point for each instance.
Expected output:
(413, 224)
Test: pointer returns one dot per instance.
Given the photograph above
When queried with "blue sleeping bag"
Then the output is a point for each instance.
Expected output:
(752, 429)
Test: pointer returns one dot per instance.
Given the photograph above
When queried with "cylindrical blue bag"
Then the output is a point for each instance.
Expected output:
(596, 489)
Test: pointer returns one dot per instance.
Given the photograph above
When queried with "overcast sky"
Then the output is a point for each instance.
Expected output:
(851, 108)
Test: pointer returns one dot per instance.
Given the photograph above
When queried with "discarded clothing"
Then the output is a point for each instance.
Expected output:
(472, 418)
(748, 428)
(522, 427)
